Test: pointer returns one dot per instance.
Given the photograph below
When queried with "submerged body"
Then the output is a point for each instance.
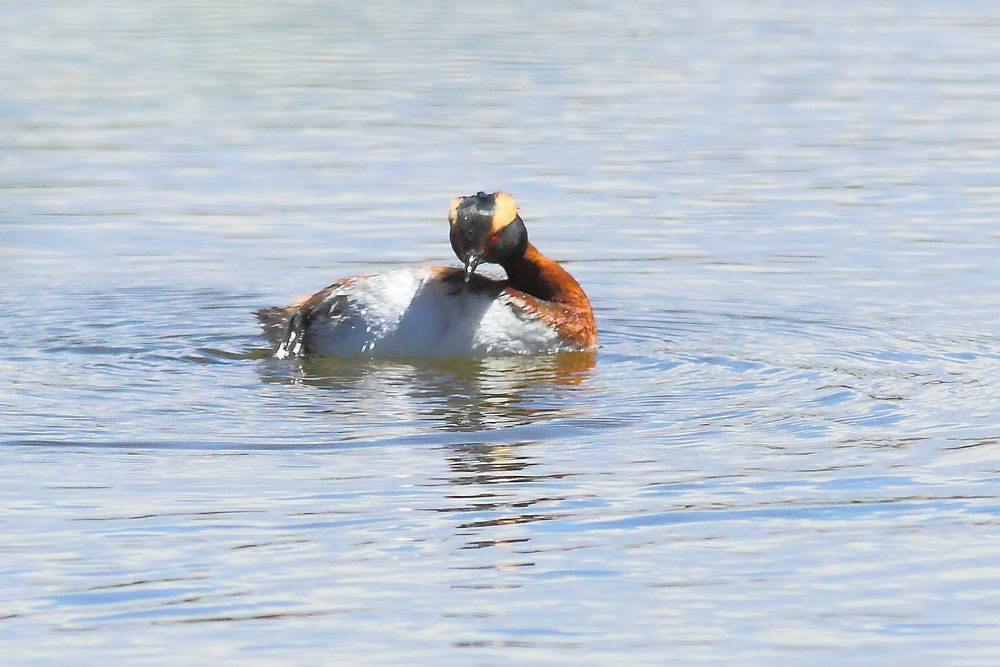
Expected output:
(447, 312)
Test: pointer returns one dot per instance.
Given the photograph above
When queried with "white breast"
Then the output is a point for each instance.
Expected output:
(413, 313)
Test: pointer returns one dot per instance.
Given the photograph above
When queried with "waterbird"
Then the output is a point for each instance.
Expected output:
(447, 312)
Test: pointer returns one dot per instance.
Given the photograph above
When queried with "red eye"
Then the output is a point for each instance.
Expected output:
(493, 239)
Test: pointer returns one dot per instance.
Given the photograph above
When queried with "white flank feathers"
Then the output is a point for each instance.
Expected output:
(413, 313)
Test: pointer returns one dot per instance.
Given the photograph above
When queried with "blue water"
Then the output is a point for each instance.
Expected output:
(786, 450)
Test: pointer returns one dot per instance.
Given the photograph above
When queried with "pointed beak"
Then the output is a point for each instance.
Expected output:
(471, 261)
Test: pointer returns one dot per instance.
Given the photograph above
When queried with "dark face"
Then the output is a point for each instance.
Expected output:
(486, 228)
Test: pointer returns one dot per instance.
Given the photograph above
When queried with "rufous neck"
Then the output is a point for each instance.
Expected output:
(541, 277)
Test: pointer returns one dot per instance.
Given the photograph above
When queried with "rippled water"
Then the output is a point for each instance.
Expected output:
(787, 447)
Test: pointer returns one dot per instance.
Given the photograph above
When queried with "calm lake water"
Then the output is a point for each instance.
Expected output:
(787, 216)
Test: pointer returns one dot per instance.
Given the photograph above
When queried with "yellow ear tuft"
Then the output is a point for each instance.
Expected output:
(504, 211)
(453, 211)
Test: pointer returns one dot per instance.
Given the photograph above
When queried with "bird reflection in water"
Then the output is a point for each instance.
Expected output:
(456, 395)
(489, 417)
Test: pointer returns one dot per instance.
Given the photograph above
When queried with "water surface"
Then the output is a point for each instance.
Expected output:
(786, 449)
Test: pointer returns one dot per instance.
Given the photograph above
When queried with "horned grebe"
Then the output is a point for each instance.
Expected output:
(447, 312)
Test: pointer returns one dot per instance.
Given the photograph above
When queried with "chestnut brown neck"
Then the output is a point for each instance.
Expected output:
(557, 298)
(539, 276)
